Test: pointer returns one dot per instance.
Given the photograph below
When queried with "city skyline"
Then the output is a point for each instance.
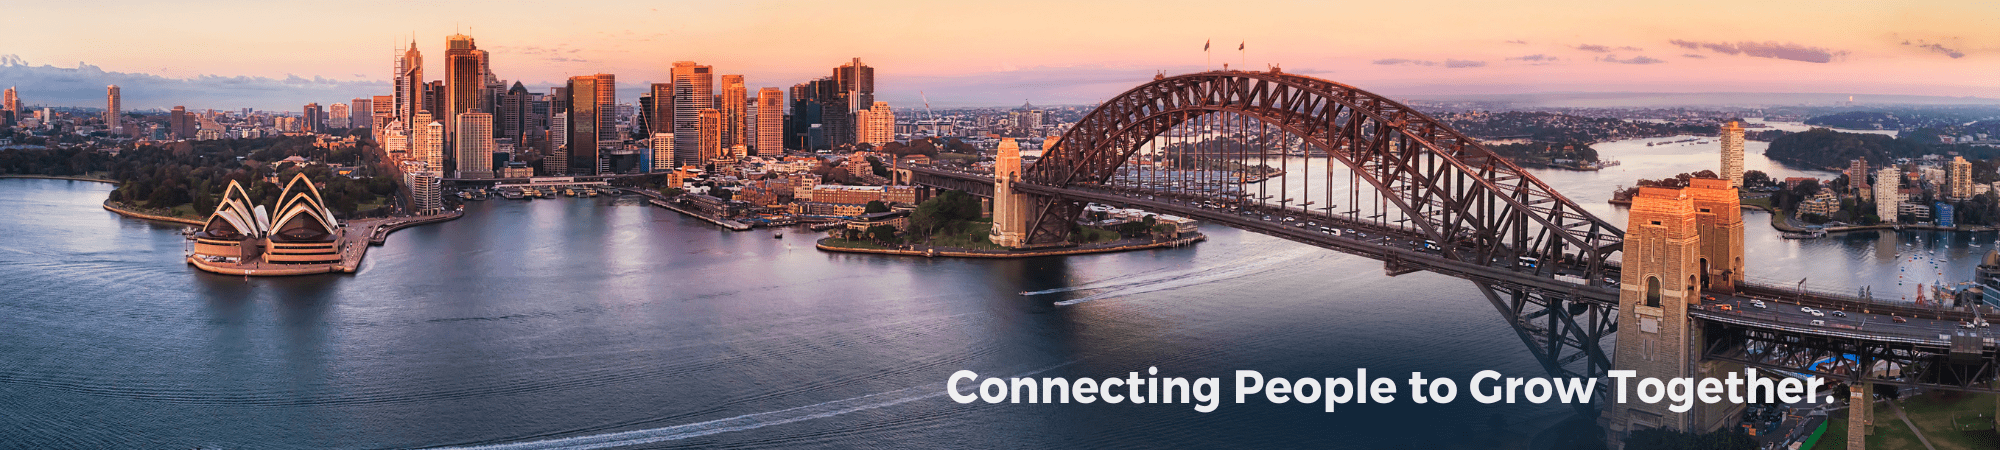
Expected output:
(1933, 48)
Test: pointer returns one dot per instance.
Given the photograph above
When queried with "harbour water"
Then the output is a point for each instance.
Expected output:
(600, 323)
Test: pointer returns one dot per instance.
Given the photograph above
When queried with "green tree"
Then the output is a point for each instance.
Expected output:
(875, 206)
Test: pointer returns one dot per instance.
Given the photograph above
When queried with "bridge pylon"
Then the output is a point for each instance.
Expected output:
(1010, 208)
(1661, 276)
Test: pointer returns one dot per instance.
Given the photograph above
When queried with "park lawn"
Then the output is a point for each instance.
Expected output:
(1091, 235)
(1890, 433)
(185, 211)
(974, 237)
(1933, 413)
(1764, 202)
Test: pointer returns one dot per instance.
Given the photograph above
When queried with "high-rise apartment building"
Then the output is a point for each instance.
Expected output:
(770, 139)
(734, 94)
(112, 121)
(409, 95)
(694, 92)
(557, 162)
(474, 145)
(425, 193)
(875, 125)
(1732, 154)
(337, 116)
(663, 152)
(1887, 182)
(709, 125)
(1959, 174)
(428, 141)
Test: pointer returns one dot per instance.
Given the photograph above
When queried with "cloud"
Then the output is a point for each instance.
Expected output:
(1692, 55)
(1402, 62)
(1935, 47)
(1774, 50)
(1448, 63)
(84, 86)
(1633, 60)
(1518, 41)
(1538, 57)
(1594, 48)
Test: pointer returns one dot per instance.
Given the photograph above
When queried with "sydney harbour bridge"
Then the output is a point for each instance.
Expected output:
(1330, 165)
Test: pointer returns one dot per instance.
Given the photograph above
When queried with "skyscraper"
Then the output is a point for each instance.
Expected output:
(10, 107)
(694, 91)
(660, 119)
(464, 78)
(591, 106)
(360, 112)
(111, 119)
(1732, 154)
(384, 110)
(313, 118)
(875, 125)
(710, 127)
(336, 116)
(770, 122)
(733, 96)
(514, 114)
(474, 145)
(857, 81)
(409, 95)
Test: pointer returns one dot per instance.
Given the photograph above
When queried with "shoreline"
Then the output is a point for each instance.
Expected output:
(150, 217)
(962, 253)
(56, 177)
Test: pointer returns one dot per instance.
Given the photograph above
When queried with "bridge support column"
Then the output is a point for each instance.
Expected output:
(1860, 414)
(1662, 276)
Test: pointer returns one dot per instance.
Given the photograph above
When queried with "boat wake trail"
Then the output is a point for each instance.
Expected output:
(1190, 277)
(738, 423)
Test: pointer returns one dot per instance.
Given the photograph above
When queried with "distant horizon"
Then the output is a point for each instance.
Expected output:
(136, 97)
(967, 55)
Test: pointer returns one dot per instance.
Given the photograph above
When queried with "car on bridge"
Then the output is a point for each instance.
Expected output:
(1757, 303)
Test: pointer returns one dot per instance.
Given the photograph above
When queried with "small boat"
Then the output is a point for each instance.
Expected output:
(777, 235)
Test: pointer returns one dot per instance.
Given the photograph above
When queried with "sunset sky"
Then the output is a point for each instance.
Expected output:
(241, 53)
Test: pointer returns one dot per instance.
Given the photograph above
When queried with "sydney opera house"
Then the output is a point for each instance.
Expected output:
(241, 238)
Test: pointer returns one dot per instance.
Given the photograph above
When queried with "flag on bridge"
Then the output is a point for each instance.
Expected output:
(1204, 44)
(1239, 46)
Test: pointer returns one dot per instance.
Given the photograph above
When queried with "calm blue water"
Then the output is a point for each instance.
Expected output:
(608, 322)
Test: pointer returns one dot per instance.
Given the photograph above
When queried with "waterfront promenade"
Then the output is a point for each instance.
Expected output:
(352, 241)
(1105, 247)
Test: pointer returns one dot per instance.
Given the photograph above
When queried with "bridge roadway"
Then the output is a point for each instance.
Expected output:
(1402, 251)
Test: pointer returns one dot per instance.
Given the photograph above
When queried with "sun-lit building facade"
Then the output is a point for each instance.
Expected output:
(303, 230)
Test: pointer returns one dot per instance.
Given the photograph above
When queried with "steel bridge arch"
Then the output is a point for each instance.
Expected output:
(1453, 188)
